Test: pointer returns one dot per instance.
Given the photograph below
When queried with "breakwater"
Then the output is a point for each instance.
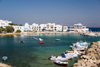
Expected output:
(92, 57)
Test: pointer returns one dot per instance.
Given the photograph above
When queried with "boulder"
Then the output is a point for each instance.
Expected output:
(94, 43)
(93, 46)
(90, 50)
(85, 57)
(98, 42)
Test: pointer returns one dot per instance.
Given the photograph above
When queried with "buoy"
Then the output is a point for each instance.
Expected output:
(4, 58)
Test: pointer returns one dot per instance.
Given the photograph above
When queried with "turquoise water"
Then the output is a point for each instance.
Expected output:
(33, 54)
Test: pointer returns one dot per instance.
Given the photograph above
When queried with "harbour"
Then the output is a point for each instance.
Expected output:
(31, 53)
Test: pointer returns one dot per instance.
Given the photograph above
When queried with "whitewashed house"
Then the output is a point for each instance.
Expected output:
(18, 28)
(58, 28)
(78, 28)
(4, 23)
(65, 28)
(42, 26)
(35, 27)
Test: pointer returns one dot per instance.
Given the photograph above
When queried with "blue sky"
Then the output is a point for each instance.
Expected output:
(65, 12)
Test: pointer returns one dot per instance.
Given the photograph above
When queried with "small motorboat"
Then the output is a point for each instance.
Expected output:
(35, 38)
(57, 39)
(40, 39)
(41, 42)
(4, 58)
(21, 41)
(61, 63)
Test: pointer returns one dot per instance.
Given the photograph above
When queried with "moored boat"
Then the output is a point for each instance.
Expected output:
(41, 42)
(57, 39)
(21, 41)
(61, 63)
(4, 58)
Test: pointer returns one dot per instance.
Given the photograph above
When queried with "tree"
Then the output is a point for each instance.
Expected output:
(20, 25)
(18, 31)
(11, 24)
(0, 30)
(9, 29)
(43, 29)
(4, 29)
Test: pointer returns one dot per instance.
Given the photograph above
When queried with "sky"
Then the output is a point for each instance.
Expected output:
(65, 12)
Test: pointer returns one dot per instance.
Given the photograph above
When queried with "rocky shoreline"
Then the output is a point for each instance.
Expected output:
(92, 57)
(4, 65)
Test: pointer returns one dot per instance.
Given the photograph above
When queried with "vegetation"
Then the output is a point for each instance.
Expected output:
(18, 31)
(15, 24)
(3, 30)
(9, 29)
(0, 30)
(43, 29)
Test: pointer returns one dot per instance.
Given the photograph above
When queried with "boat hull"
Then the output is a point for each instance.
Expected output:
(61, 64)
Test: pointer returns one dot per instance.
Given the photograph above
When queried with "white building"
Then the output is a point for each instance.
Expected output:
(35, 27)
(65, 28)
(50, 26)
(58, 28)
(78, 28)
(42, 26)
(4, 23)
(18, 28)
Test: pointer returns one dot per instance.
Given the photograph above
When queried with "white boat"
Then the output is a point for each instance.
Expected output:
(98, 34)
(57, 39)
(65, 56)
(80, 45)
(61, 63)
(40, 39)
(4, 58)
(92, 34)
(35, 38)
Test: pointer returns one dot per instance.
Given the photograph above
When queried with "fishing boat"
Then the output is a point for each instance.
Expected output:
(65, 57)
(35, 38)
(41, 42)
(40, 39)
(61, 63)
(57, 39)
(4, 58)
(21, 41)
(80, 45)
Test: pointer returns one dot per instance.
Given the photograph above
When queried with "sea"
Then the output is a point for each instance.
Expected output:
(33, 54)
(94, 29)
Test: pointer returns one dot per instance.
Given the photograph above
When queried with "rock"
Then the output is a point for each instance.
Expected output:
(85, 57)
(94, 65)
(93, 46)
(94, 43)
(4, 65)
(90, 50)
(98, 42)
(92, 57)
(76, 65)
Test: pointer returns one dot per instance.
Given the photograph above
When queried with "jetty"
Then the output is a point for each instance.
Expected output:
(92, 57)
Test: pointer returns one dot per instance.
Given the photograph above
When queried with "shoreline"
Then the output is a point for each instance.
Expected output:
(2, 34)
(4, 65)
(91, 58)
